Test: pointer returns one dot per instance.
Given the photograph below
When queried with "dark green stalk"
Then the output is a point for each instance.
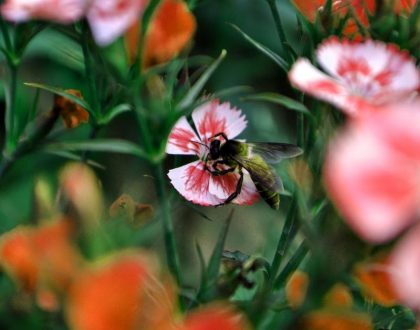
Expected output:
(168, 230)
(284, 241)
(89, 72)
(10, 109)
(6, 37)
(280, 30)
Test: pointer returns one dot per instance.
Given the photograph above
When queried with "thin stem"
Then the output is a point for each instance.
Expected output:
(6, 37)
(280, 30)
(89, 72)
(168, 230)
(10, 109)
(284, 240)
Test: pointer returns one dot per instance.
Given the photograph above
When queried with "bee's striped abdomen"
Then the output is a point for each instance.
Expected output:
(271, 197)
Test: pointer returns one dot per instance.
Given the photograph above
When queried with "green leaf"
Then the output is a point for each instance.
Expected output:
(216, 256)
(292, 265)
(114, 112)
(202, 264)
(233, 91)
(101, 145)
(265, 50)
(195, 90)
(282, 100)
(61, 92)
(73, 156)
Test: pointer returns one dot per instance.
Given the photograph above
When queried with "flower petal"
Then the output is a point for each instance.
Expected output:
(109, 19)
(378, 71)
(223, 186)
(309, 79)
(61, 11)
(214, 117)
(180, 139)
(374, 187)
(192, 181)
(405, 261)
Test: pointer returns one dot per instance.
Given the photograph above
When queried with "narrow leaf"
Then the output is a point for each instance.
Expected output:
(202, 264)
(195, 90)
(216, 257)
(282, 100)
(114, 112)
(265, 50)
(72, 156)
(104, 145)
(61, 92)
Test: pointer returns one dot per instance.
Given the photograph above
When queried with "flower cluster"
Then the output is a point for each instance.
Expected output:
(371, 169)
(109, 19)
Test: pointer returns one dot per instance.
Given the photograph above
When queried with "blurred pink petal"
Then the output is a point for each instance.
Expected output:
(109, 19)
(405, 261)
(61, 11)
(213, 117)
(372, 172)
(181, 139)
(369, 72)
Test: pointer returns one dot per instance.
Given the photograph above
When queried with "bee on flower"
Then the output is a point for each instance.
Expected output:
(227, 171)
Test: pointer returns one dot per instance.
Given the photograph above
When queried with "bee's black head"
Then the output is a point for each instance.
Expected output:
(214, 149)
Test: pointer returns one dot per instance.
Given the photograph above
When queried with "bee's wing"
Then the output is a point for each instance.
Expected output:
(261, 173)
(273, 152)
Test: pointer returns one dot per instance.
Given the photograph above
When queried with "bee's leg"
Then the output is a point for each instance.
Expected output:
(218, 172)
(237, 190)
(223, 135)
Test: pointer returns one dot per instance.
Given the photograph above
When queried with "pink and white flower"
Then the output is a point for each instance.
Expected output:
(405, 263)
(357, 74)
(61, 11)
(372, 172)
(192, 180)
(108, 19)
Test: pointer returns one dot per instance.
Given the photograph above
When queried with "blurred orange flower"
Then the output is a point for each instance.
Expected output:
(220, 317)
(169, 32)
(121, 293)
(41, 260)
(375, 279)
(81, 188)
(72, 113)
(340, 8)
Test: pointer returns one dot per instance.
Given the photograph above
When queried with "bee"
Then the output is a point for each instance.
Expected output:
(227, 156)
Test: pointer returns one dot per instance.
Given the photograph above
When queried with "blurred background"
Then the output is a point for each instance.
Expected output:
(53, 60)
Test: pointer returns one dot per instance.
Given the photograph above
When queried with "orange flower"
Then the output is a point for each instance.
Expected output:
(121, 293)
(41, 260)
(220, 317)
(340, 8)
(296, 288)
(329, 319)
(169, 32)
(81, 187)
(375, 279)
(72, 113)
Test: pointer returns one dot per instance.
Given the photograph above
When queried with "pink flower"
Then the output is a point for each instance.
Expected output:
(372, 171)
(405, 262)
(109, 19)
(193, 181)
(358, 74)
(61, 11)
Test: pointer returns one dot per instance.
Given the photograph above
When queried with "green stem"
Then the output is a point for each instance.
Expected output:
(89, 72)
(284, 240)
(6, 37)
(280, 30)
(10, 109)
(168, 230)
